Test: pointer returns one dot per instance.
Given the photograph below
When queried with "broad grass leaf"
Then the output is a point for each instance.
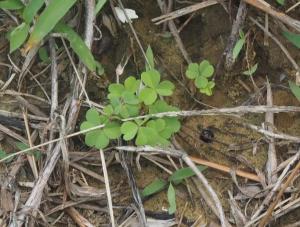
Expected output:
(293, 38)
(184, 173)
(171, 199)
(18, 36)
(237, 48)
(112, 130)
(99, 6)
(148, 96)
(150, 58)
(165, 88)
(3, 154)
(22, 146)
(151, 78)
(11, 4)
(295, 89)
(51, 15)
(155, 186)
(31, 10)
(281, 2)
(43, 55)
(78, 46)
(129, 129)
(251, 71)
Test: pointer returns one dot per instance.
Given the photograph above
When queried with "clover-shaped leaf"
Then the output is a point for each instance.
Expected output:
(131, 84)
(201, 82)
(93, 116)
(161, 106)
(130, 98)
(148, 95)
(172, 125)
(201, 73)
(206, 69)
(129, 130)
(165, 88)
(208, 89)
(192, 71)
(115, 90)
(151, 78)
(112, 130)
(146, 136)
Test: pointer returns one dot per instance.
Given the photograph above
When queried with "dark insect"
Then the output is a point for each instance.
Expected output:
(207, 135)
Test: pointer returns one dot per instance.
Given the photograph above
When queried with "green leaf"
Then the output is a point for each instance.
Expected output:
(146, 136)
(18, 36)
(171, 199)
(3, 154)
(293, 38)
(129, 129)
(150, 58)
(11, 4)
(102, 140)
(251, 71)
(184, 173)
(51, 15)
(208, 90)
(112, 130)
(237, 48)
(91, 137)
(155, 186)
(206, 69)
(108, 110)
(295, 89)
(77, 44)
(148, 96)
(158, 125)
(281, 2)
(130, 98)
(151, 78)
(86, 125)
(99, 6)
(172, 125)
(43, 55)
(161, 106)
(131, 84)
(116, 89)
(22, 146)
(192, 71)
(100, 68)
(165, 88)
(201, 82)
(31, 10)
(93, 116)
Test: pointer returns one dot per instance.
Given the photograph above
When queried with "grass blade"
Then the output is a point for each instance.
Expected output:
(156, 186)
(184, 173)
(293, 38)
(171, 199)
(78, 45)
(99, 6)
(11, 4)
(295, 89)
(18, 36)
(47, 21)
(31, 10)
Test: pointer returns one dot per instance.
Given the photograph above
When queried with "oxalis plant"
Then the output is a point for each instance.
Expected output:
(201, 73)
(133, 98)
